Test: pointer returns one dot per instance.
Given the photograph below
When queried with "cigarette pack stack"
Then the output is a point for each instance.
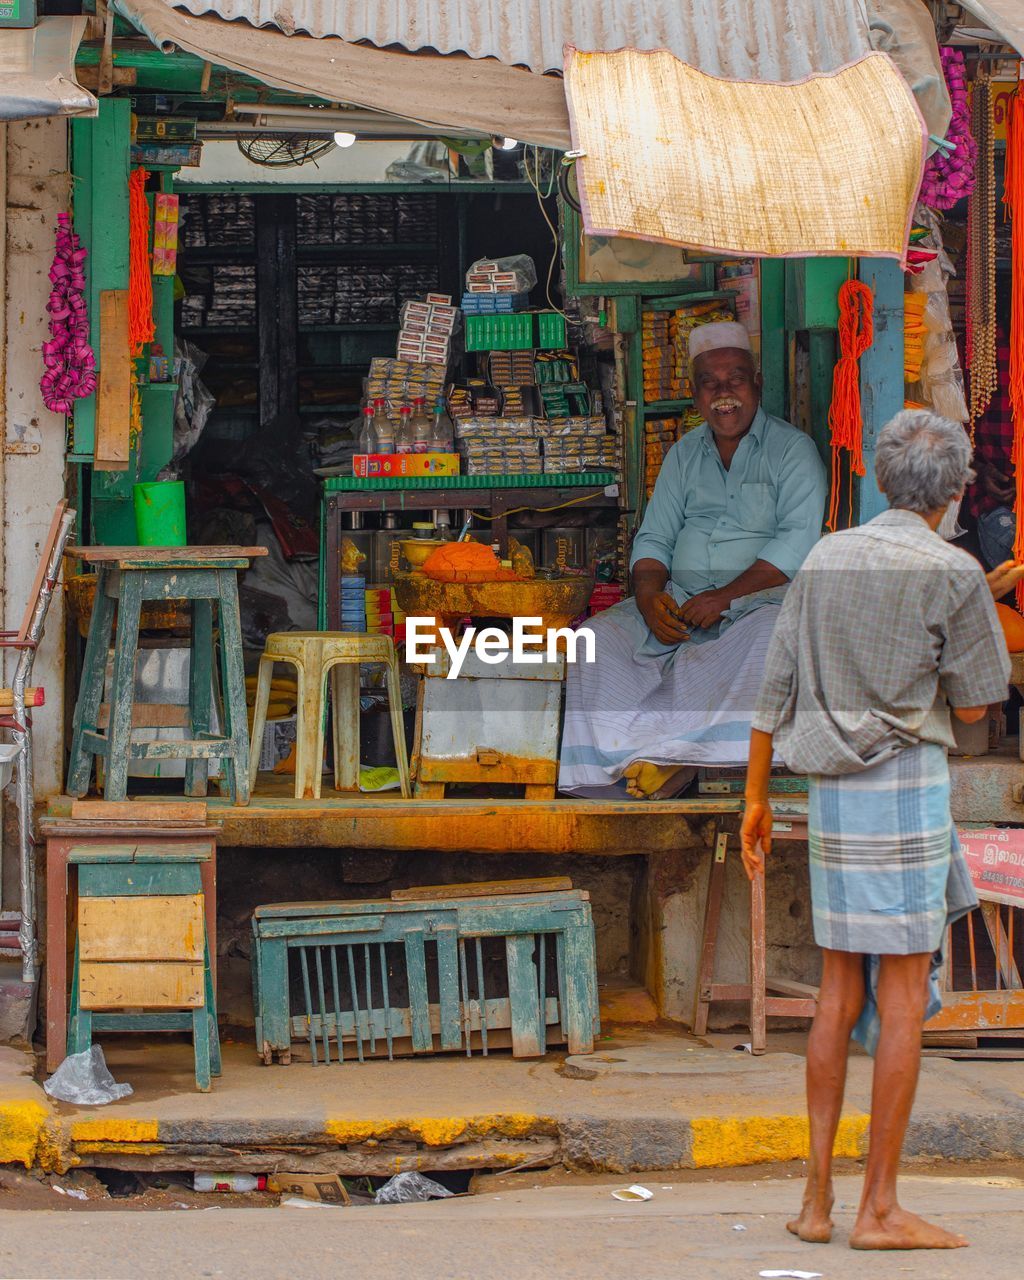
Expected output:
(511, 368)
(401, 381)
(579, 453)
(427, 330)
(501, 275)
(489, 304)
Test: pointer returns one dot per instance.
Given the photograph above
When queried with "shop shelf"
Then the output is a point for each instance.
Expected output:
(558, 480)
(667, 406)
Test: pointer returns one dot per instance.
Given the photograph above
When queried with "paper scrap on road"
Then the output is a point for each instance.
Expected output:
(635, 1192)
(790, 1275)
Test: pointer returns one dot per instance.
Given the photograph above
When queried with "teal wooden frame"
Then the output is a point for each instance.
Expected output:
(572, 233)
(126, 872)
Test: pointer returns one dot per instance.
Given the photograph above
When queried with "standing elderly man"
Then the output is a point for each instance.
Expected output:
(737, 506)
(884, 630)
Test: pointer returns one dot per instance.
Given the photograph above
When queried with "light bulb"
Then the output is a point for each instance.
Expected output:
(343, 139)
(507, 144)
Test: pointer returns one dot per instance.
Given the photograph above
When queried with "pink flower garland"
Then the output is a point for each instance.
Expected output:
(949, 178)
(69, 359)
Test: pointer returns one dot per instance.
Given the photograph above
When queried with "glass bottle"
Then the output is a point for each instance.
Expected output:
(420, 426)
(404, 435)
(367, 436)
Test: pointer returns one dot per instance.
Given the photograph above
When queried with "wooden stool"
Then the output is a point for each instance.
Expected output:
(788, 999)
(160, 826)
(128, 576)
(315, 655)
(141, 946)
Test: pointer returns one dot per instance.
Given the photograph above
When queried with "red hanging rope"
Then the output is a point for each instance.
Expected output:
(846, 426)
(141, 328)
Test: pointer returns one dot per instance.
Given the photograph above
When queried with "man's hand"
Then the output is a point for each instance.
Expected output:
(755, 836)
(995, 484)
(661, 613)
(705, 609)
(1004, 578)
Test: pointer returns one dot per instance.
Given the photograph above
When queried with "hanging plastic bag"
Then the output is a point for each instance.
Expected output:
(83, 1078)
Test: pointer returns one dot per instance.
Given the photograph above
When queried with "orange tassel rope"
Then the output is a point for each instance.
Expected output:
(856, 333)
(1013, 199)
(141, 328)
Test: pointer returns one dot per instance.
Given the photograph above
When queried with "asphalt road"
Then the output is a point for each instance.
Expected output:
(689, 1231)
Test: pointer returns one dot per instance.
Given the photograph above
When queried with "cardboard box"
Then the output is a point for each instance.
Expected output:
(328, 1188)
(385, 465)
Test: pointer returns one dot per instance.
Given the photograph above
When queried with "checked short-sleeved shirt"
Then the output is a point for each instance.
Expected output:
(883, 629)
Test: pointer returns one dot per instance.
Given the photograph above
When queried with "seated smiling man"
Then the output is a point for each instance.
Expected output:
(737, 506)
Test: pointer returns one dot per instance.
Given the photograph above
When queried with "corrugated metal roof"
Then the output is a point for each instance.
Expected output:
(37, 70)
(742, 39)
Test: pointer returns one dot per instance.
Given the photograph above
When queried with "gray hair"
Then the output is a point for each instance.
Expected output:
(922, 461)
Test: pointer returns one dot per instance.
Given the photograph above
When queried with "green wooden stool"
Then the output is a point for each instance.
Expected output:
(128, 577)
(142, 955)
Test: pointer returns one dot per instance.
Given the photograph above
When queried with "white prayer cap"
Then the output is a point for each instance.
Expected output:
(720, 334)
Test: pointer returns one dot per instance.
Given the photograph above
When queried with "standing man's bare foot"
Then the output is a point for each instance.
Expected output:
(814, 1225)
(899, 1229)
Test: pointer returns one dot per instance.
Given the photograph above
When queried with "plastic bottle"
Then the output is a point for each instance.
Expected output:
(229, 1182)
(367, 436)
(421, 426)
(442, 436)
(404, 440)
(383, 431)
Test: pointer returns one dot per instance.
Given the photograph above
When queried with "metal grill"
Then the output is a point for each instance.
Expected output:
(355, 996)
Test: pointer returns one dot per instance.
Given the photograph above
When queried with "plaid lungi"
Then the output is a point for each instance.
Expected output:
(887, 873)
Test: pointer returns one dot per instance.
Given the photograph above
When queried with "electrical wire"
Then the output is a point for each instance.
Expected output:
(515, 511)
(534, 180)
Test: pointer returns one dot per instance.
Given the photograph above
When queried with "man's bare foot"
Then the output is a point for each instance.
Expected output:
(646, 781)
(900, 1230)
(814, 1224)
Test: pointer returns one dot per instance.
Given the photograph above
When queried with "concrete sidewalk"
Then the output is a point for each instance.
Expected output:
(651, 1099)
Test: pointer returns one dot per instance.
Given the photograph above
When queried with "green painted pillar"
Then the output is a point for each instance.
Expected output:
(881, 373)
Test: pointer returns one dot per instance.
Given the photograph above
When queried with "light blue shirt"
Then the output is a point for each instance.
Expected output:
(707, 525)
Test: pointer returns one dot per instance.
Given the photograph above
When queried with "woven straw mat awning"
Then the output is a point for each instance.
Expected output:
(830, 165)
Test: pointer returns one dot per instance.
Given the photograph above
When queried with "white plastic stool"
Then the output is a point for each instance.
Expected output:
(315, 655)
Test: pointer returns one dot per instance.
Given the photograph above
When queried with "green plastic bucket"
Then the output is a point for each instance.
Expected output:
(160, 513)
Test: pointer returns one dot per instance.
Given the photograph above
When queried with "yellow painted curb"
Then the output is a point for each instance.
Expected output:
(22, 1122)
(438, 1131)
(722, 1142)
(114, 1130)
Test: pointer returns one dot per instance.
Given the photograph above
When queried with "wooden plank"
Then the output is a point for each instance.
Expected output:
(155, 555)
(524, 996)
(149, 715)
(178, 811)
(33, 698)
(141, 986)
(483, 889)
(114, 387)
(129, 928)
(138, 880)
(46, 549)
